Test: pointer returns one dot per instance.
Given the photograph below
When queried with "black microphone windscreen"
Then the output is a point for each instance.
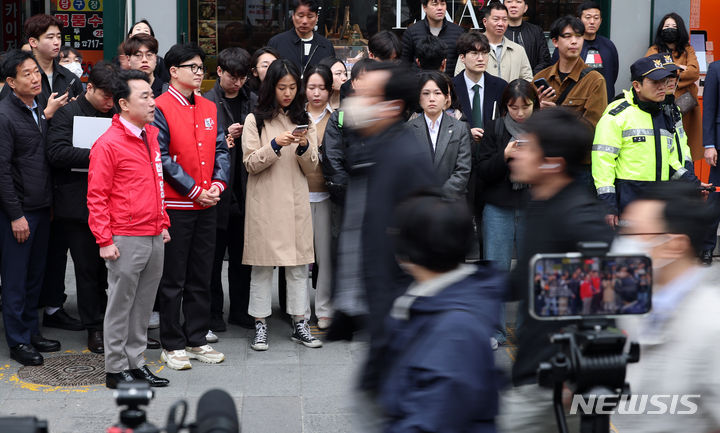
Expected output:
(216, 413)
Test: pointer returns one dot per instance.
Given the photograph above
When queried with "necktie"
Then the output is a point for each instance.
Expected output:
(477, 117)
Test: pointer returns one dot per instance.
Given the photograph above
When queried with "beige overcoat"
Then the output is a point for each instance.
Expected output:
(278, 224)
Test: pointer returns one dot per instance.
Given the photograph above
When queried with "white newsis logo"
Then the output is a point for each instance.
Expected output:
(635, 404)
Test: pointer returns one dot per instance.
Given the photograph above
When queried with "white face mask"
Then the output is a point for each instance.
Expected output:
(632, 245)
(359, 114)
(75, 68)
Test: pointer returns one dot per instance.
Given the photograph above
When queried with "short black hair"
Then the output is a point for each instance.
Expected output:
(65, 50)
(12, 60)
(235, 61)
(684, 212)
(402, 84)
(180, 53)
(324, 72)
(143, 21)
(332, 61)
(425, 2)
(37, 25)
(472, 41)
(383, 45)
(436, 77)
(589, 4)
(493, 6)
(431, 52)
(360, 67)
(122, 88)
(133, 44)
(104, 76)
(562, 133)
(312, 4)
(559, 25)
(432, 231)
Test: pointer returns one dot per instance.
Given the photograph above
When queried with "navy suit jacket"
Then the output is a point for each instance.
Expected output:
(492, 93)
(711, 115)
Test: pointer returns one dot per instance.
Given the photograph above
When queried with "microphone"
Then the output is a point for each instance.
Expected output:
(216, 413)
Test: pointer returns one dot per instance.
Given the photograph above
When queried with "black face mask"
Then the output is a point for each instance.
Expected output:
(669, 35)
(653, 108)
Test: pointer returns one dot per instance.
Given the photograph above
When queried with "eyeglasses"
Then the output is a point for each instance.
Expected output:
(193, 68)
(139, 55)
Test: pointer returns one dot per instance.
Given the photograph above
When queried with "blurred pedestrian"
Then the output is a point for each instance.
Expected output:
(668, 223)
(278, 223)
(711, 142)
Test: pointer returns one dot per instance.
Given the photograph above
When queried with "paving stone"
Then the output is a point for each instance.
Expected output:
(271, 415)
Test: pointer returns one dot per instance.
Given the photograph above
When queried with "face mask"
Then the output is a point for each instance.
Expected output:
(359, 114)
(75, 68)
(631, 245)
(669, 35)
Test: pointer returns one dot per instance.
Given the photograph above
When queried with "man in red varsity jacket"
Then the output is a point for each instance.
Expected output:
(127, 216)
(196, 165)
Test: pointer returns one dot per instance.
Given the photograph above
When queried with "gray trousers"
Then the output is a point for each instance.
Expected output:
(132, 285)
(323, 256)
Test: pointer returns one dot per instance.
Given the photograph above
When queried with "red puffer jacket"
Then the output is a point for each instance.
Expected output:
(125, 185)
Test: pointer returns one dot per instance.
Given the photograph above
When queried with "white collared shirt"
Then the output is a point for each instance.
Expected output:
(326, 112)
(471, 93)
(132, 128)
(32, 110)
(433, 128)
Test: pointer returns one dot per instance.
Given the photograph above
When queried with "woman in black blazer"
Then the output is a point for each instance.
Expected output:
(503, 214)
(446, 139)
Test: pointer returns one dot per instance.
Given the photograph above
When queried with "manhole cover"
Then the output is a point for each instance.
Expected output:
(67, 370)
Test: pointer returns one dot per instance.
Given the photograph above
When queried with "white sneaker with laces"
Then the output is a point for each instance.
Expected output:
(211, 337)
(205, 354)
(176, 359)
(260, 342)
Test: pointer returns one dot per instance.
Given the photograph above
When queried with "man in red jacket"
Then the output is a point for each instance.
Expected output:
(128, 219)
(196, 163)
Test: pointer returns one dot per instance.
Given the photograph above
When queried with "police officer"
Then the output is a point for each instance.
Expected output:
(634, 146)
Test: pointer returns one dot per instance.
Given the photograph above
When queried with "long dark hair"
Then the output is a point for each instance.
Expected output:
(683, 36)
(268, 107)
(519, 89)
(324, 73)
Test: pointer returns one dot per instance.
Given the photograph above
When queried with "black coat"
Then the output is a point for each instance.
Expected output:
(232, 200)
(555, 225)
(532, 38)
(24, 171)
(70, 187)
(290, 47)
(420, 30)
(493, 170)
(492, 94)
(62, 77)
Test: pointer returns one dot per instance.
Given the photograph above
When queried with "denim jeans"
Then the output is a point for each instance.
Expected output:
(501, 232)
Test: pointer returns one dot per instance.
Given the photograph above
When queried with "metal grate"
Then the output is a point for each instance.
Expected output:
(67, 370)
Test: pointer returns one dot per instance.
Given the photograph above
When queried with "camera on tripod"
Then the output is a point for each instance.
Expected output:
(589, 289)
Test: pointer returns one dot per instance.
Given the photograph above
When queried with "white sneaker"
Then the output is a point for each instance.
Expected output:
(494, 343)
(260, 342)
(176, 359)
(205, 354)
(154, 320)
(211, 338)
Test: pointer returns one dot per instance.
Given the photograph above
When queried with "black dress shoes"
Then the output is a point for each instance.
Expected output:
(706, 257)
(153, 343)
(95, 342)
(42, 344)
(25, 354)
(112, 380)
(145, 374)
(62, 320)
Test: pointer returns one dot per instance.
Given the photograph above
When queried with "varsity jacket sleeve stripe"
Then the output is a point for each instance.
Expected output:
(173, 172)
(221, 172)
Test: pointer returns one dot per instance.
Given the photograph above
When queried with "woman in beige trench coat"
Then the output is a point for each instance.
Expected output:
(278, 224)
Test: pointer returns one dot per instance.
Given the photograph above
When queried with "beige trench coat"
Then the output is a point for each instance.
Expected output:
(278, 224)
